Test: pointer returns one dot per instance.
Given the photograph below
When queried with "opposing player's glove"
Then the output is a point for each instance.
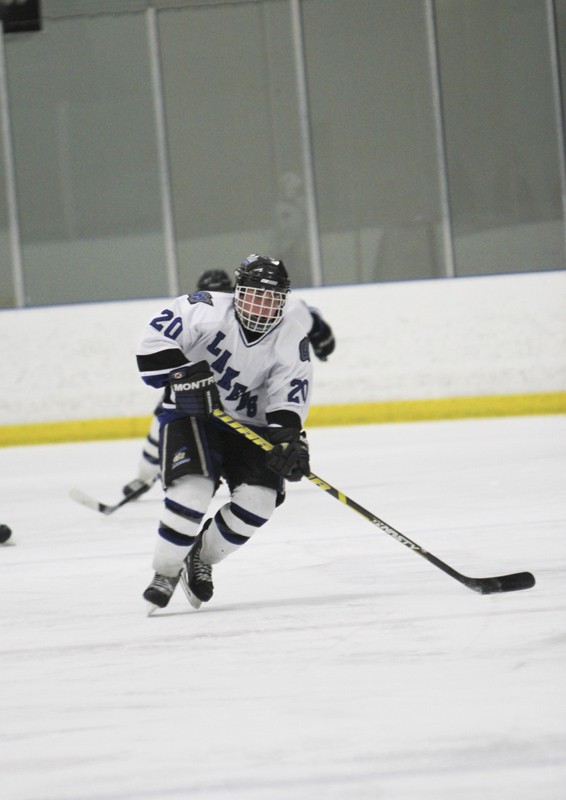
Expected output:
(290, 455)
(194, 390)
(321, 337)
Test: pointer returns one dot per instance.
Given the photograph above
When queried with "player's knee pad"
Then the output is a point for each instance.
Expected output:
(236, 522)
(185, 504)
(250, 508)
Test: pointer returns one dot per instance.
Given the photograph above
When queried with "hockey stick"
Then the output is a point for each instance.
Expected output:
(502, 583)
(96, 505)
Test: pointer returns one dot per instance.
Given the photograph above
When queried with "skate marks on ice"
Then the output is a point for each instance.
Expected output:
(329, 662)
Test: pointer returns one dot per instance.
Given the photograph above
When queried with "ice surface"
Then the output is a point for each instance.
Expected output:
(332, 661)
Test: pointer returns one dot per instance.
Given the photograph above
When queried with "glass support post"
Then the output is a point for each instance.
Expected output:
(558, 103)
(446, 222)
(163, 158)
(306, 144)
(11, 194)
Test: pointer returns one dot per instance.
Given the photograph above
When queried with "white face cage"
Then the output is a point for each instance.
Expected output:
(258, 309)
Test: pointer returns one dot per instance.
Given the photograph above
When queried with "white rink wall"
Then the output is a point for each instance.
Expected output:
(468, 337)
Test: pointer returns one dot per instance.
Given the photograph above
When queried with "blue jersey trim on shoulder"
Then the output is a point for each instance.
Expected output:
(304, 349)
(200, 297)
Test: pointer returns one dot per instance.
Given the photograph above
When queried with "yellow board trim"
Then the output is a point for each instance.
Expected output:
(86, 430)
(444, 408)
(341, 414)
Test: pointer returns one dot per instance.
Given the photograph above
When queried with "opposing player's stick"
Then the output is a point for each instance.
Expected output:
(97, 505)
(503, 583)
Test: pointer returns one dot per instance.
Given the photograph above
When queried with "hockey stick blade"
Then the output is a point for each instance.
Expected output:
(503, 583)
(96, 505)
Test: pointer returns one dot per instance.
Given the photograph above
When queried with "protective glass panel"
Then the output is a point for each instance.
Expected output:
(501, 136)
(374, 139)
(234, 137)
(85, 160)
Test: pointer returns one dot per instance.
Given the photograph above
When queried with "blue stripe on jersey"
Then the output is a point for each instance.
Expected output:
(162, 360)
(156, 380)
(155, 367)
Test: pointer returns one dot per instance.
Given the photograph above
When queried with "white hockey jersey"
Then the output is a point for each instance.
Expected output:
(273, 373)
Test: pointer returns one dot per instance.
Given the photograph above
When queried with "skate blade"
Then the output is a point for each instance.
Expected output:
(192, 598)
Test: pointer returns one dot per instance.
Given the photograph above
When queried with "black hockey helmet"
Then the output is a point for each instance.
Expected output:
(214, 280)
(260, 293)
(263, 272)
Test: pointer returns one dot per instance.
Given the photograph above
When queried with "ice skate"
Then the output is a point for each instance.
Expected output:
(199, 574)
(160, 590)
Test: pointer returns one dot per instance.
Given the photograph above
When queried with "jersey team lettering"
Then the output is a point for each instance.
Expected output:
(253, 375)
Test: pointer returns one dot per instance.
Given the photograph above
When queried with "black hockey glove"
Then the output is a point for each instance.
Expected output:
(195, 390)
(321, 338)
(290, 455)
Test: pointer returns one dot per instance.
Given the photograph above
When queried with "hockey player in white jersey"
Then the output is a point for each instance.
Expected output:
(212, 280)
(322, 342)
(239, 352)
